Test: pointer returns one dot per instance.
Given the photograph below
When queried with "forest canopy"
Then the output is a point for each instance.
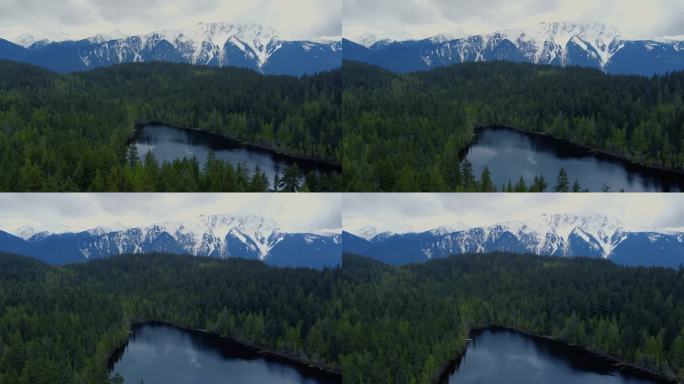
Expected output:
(407, 132)
(373, 322)
(70, 132)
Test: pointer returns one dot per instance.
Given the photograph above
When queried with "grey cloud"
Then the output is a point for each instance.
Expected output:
(671, 23)
(124, 10)
(81, 18)
(301, 212)
(632, 17)
(425, 211)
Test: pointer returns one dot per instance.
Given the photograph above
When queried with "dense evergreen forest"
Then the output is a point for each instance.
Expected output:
(377, 323)
(60, 325)
(69, 132)
(408, 132)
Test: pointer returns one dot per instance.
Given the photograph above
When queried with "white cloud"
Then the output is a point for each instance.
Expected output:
(294, 212)
(426, 211)
(421, 18)
(84, 18)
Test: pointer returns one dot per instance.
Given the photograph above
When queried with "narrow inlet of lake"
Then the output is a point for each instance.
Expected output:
(510, 154)
(168, 143)
(158, 353)
(502, 356)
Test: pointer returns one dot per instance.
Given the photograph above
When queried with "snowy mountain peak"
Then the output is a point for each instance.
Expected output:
(104, 229)
(212, 231)
(27, 232)
(451, 228)
(592, 223)
(254, 46)
(548, 42)
(368, 232)
(26, 40)
(114, 34)
(370, 39)
(206, 41)
(220, 236)
(591, 30)
(448, 36)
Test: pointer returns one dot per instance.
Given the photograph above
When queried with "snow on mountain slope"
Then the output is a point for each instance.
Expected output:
(370, 39)
(562, 235)
(448, 36)
(205, 235)
(449, 228)
(367, 232)
(593, 45)
(114, 34)
(27, 232)
(26, 40)
(553, 232)
(205, 41)
(546, 235)
(221, 236)
(549, 41)
(253, 46)
(370, 232)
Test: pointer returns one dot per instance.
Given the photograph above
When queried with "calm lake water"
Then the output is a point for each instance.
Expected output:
(510, 154)
(169, 143)
(501, 356)
(163, 354)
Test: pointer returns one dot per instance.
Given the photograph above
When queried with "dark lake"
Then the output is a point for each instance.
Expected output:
(510, 154)
(169, 143)
(163, 354)
(503, 356)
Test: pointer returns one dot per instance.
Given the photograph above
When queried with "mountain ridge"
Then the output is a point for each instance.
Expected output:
(248, 45)
(221, 236)
(593, 45)
(550, 235)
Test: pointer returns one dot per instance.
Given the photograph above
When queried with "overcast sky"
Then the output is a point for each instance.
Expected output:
(426, 211)
(84, 18)
(294, 212)
(422, 18)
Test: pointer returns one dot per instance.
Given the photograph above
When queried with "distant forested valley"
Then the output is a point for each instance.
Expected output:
(373, 322)
(70, 132)
(408, 132)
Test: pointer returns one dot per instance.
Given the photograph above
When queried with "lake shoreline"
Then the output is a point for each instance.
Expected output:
(451, 366)
(331, 374)
(581, 147)
(333, 166)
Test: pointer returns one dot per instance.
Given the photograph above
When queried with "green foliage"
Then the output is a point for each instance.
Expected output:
(562, 183)
(411, 320)
(376, 323)
(60, 325)
(69, 133)
(400, 130)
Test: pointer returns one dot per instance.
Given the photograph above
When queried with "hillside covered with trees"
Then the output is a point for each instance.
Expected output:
(70, 132)
(376, 323)
(408, 132)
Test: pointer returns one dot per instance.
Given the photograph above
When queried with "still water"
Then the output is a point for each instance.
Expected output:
(163, 354)
(503, 356)
(510, 154)
(169, 143)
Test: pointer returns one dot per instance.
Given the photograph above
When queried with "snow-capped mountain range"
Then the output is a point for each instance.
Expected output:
(252, 46)
(549, 235)
(221, 236)
(592, 45)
